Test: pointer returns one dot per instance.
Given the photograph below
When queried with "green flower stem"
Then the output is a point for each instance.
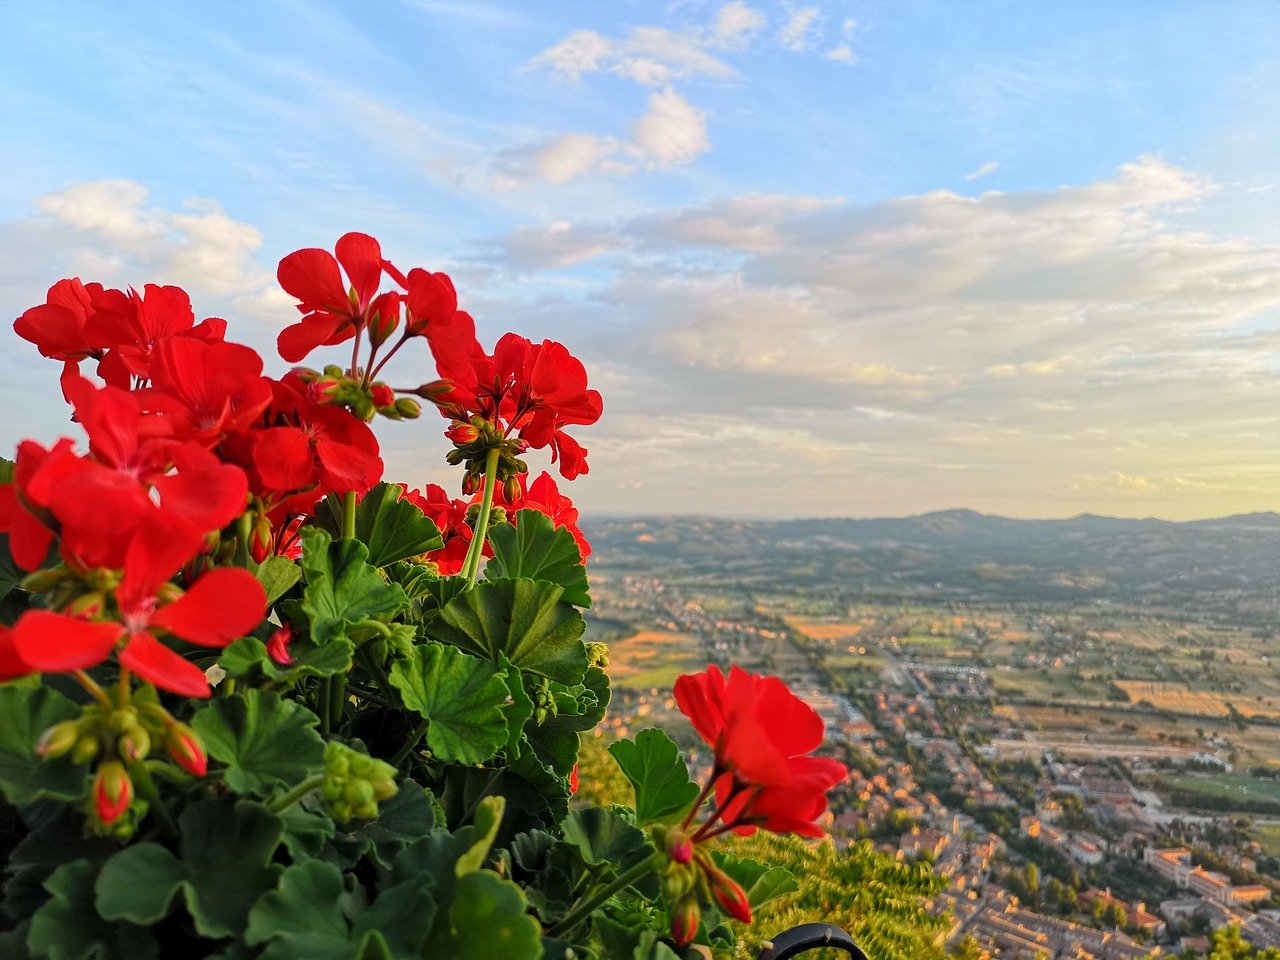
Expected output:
(244, 530)
(471, 565)
(349, 515)
(141, 776)
(313, 782)
(326, 699)
(337, 698)
(418, 733)
(92, 687)
(587, 907)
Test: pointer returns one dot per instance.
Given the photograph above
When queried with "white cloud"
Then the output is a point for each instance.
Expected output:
(986, 169)
(795, 34)
(581, 52)
(736, 23)
(557, 244)
(841, 54)
(651, 56)
(109, 222)
(849, 26)
(671, 131)
(748, 223)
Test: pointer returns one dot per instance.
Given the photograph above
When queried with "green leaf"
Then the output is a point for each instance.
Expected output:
(68, 927)
(658, 774)
(761, 881)
(401, 821)
(342, 587)
(10, 575)
(520, 709)
(248, 657)
(487, 919)
(523, 619)
(310, 915)
(480, 835)
(278, 574)
(536, 549)
(25, 714)
(226, 848)
(390, 525)
(460, 696)
(52, 841)
(603, 837)
(263, 739)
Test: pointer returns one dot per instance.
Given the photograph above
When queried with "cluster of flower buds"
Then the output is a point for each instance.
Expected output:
(78, 595)
(355, 783)
(334, 387)
(119, 737)
(472, 441)
(691, 877)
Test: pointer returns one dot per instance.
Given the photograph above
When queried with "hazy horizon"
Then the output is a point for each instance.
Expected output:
(848, 257)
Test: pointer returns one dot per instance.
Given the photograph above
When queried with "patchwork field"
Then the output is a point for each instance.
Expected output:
(653, 659)
(1177, 698)
(826, 630)
(1228, 786)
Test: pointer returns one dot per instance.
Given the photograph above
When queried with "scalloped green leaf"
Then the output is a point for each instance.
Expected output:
(488, 919)
(526, 620)
(658, 774)
(25, 714)
(278, 574)
(460, 696)
(68, 927)
(603, 837)
(248, 657)
(390, 525)
(312, 914)
(343, 588)
(536, 549)
(225, 865)
(264, 740)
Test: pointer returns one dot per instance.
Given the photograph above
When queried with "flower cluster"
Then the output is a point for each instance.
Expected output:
(223, 527)
(762, 777)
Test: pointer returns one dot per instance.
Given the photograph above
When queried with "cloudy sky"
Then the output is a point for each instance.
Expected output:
(852, 258)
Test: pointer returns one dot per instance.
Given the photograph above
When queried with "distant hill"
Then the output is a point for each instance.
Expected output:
(1231, 563)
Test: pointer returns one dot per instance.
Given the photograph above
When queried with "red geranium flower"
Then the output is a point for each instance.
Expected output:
(221, 606)
(332, 311)
(761, 733)
(132, 325)
(206, 390)
(450, 516)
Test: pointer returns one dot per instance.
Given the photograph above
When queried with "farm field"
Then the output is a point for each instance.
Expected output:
(1230, 786)
(1048, 685)
(826, 630)
(653, 659)
(1268, 835)
(1178, 698)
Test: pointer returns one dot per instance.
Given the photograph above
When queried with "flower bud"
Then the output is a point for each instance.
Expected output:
(678, 880)
(184, 747)
(86, 748)
(679, 846)
(382, 395)
(382, 325)
(326, 389)
(42, 581)
(462, 433)
(87, 605)
(134, 744)
(511, 489)
(573, 780)
(363, 407)
(684, 921)
(730, 896)
(260, 540)
(278, 646)
(305, 374)
(408, 408)
(169, 593)
(112, 791)
(58, 740)
(434, 390)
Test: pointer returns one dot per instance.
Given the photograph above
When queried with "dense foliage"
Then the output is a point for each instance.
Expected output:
(258, 702)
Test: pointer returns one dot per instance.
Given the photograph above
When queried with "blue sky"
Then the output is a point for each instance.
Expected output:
(837, 258)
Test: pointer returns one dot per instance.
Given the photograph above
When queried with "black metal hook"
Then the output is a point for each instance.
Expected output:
(810, 936)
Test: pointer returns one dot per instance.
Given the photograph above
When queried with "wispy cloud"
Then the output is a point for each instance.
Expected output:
(797, 32)
(985, 170)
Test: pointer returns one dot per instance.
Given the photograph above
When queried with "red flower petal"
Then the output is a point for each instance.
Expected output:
(222, 606)
(312, 276)
(361, 258)
(152, 660)
(55, 642)
(283, 458)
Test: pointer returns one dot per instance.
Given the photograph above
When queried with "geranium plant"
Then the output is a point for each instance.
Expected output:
(259, 702)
